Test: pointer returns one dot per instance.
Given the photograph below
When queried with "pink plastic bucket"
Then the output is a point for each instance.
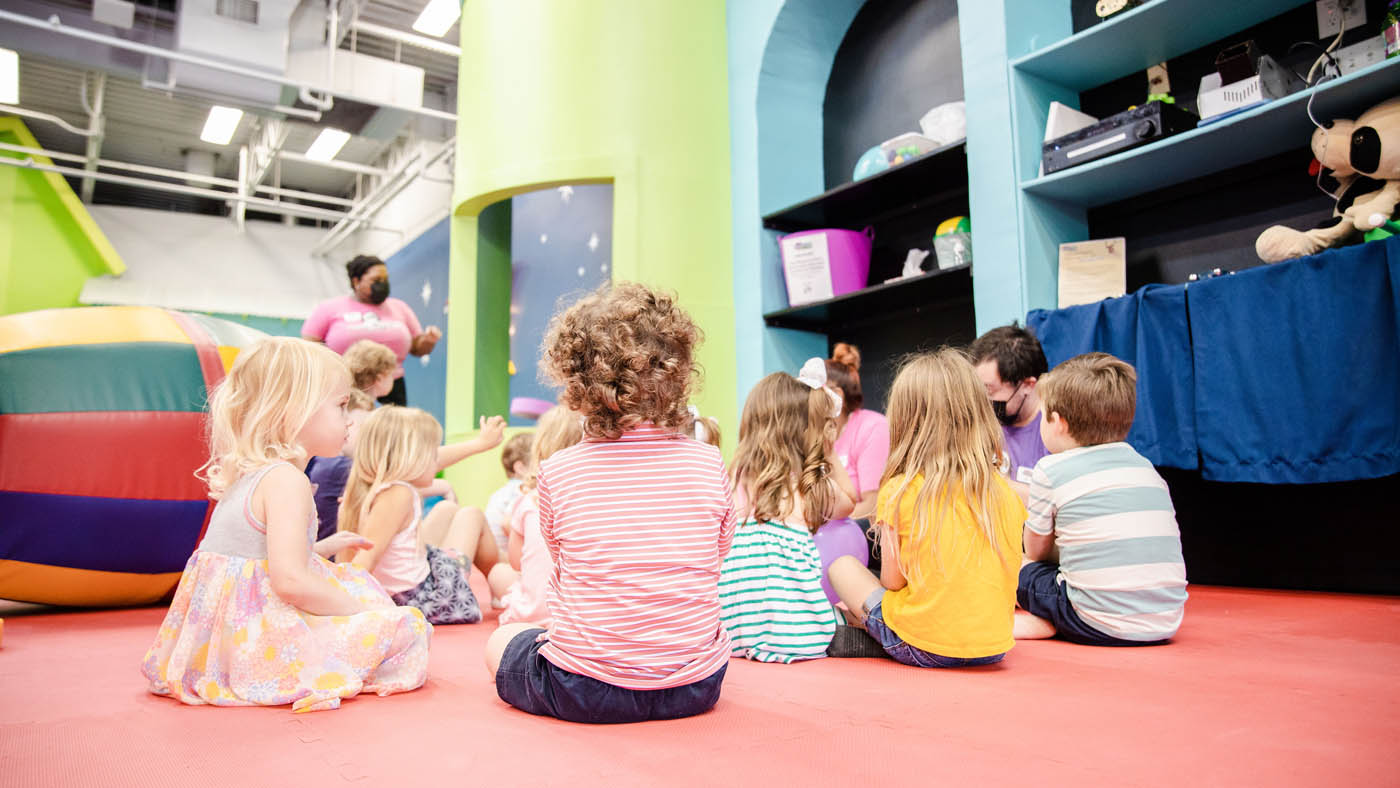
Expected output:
(848, 252)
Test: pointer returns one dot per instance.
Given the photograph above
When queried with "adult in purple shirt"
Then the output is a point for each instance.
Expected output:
(863, 436)
(1010, 361)
(369, 313)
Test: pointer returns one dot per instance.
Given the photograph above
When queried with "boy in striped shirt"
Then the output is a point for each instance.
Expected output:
(638, 518)
(1103, 551)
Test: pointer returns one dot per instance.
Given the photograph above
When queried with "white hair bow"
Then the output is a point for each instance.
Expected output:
(701, 432)
(813, 374)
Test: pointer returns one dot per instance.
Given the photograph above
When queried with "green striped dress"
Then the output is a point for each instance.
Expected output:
(770, 594)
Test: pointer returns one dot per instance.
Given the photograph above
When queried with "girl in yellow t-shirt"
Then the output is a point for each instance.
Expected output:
(949, 525)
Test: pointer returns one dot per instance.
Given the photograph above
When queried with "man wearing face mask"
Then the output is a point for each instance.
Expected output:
(369, 313)
(1009, 361)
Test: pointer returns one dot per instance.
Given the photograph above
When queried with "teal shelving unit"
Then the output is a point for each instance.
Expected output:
(1052, 209)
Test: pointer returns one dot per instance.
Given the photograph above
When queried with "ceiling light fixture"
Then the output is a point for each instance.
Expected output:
(438, 17)
(221, 124)
(328, 143)
(9, 76)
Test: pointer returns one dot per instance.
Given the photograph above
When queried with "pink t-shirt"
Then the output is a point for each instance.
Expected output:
(341, 322)
(525, 600)
(638, 528)
(863, 447)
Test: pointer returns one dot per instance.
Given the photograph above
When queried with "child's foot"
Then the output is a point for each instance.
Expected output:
(497, 603)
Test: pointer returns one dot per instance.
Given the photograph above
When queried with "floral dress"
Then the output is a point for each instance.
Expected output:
(229, 640)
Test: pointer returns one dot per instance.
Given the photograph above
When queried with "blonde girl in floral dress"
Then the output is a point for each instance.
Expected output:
(260, 616)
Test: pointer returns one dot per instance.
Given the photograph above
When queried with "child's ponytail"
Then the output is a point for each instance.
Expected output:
(815, 484)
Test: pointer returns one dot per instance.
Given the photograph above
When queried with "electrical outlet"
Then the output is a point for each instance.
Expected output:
(1360, 55)
(1331, 13)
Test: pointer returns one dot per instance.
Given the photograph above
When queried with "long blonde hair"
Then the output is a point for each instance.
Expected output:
(395, 444)
(258, 410)
(559, 428)
(942, 428)
(784, 433)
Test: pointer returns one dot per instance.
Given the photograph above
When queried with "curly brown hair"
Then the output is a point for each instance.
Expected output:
(368, 361)
(624, 354)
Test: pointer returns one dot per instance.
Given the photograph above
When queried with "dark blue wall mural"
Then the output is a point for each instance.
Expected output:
(561, 248)
(418, 275)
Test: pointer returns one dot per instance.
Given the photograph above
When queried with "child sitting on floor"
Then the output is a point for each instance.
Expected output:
(260, 617)
(515, 459)
(949, 525)
(637, 518)
(395, 453)
(328, 474)
(559, 428)
(787, 485)
(1120, 579)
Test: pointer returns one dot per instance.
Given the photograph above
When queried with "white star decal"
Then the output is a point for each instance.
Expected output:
(427, 292)
(566, 193)
(593, 242)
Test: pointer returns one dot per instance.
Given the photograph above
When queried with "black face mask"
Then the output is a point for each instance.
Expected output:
(379, 291)
(999, 408)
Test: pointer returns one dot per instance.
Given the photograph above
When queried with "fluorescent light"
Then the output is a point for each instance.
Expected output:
(327, 144)
(438, 17)
(221, 124)
(9, 76)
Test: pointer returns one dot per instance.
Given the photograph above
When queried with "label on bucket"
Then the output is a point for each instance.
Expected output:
(807, 268)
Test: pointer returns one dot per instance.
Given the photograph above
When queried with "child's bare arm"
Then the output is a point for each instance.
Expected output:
(515, 545)
(846, 495)
(493, 430)
(389, 514)
(891, 576)
(1038, 547)
(284, 496)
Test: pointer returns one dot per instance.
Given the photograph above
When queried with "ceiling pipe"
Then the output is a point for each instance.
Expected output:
(422, 42)
(376, 200)
(162, 172)
(54, 119)
(55, 25)
(347, 166)
(262, 204)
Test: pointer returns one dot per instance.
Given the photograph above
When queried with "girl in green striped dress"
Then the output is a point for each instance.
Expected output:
(787, 485)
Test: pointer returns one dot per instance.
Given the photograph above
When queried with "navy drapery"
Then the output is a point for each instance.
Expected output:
(1281, 374)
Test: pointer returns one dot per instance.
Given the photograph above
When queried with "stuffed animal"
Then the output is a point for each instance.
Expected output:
(1361, 159)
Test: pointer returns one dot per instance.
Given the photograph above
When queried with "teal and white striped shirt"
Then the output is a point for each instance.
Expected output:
(770, 594)
(1115, 527)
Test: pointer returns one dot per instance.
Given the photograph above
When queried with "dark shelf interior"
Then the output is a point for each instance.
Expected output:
(880, 303)
(934, 184)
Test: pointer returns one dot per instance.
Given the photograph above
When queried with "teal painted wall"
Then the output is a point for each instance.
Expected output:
(780, 56)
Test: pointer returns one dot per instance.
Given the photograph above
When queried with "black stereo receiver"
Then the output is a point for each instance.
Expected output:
(1138, 126)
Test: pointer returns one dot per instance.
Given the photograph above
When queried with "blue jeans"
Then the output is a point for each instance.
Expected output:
(904, 653)
(1041, 595)
(532, 683)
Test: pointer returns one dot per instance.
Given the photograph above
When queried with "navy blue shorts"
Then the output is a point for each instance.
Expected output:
(904, 653)
(532, 683)
(1038, 593)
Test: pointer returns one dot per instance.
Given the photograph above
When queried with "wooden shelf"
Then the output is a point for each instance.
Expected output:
(882, 301)
(935, 177)
(1151, 33)
(1264, 131)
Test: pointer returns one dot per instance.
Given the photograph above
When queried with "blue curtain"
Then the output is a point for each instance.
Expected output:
(1280, 374)
(1147, 329)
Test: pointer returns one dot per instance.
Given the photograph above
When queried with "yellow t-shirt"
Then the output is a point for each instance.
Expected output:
(960, 604)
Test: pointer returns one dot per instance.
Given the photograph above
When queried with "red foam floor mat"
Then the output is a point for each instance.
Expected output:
(1260, 688)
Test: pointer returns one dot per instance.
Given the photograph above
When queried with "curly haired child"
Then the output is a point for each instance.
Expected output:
(637, 518)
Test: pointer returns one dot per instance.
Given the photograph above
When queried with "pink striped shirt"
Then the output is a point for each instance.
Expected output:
(638, 528)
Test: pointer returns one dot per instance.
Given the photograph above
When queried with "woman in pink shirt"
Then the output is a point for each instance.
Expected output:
(863, 440)
(369, 313)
